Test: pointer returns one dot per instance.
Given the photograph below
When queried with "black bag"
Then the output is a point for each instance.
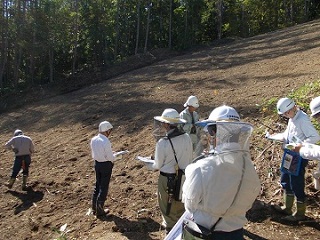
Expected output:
(196, 230)
(180, 178)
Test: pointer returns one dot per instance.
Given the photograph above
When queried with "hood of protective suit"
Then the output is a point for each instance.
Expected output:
(229, 136)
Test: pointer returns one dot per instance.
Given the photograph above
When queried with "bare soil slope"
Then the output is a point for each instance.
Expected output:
(241, 74)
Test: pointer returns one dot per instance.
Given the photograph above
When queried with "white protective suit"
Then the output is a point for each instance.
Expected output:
(310, 151)
(211, 187)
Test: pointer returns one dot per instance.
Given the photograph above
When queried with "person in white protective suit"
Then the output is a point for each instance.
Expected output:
(191, 116)
(222, 184)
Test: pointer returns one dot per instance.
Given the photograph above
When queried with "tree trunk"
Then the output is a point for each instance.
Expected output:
(147, 30)
(138, 28)
(75, 40)
(170, 25)
(4, 46)
(116, 46)
(219, 18)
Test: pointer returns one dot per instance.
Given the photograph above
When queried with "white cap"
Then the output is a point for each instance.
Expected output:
(105, 126)
(192, 101)
(17, 132)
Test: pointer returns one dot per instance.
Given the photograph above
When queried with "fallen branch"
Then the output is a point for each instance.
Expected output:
(264, 150)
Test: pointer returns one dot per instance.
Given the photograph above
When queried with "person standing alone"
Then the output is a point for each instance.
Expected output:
(23, 147)
(103, 163)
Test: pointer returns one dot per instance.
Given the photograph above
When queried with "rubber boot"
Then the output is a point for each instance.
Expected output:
(100, 211)
(24, 183)
(11, 182)
(287, 207)
(299, 214)
(94, 206)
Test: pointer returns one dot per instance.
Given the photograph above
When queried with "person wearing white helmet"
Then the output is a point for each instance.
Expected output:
(23, 148)
(299, 127)
(191, 116)
(173, 151)
(221, 187)
(311, 151)
(101, 151)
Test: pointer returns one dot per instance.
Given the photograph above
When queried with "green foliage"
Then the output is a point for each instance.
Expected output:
(305, 94)
(53, 38)
(302, 97)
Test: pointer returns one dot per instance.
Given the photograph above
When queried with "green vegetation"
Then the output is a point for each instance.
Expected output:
(302, 97)
(47, 41)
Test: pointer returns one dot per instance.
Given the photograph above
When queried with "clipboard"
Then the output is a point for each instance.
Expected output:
(291, 162)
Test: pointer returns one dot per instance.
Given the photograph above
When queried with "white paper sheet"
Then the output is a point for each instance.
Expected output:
(145, 159)
(274, 137)
(176, 231)
(118, 155)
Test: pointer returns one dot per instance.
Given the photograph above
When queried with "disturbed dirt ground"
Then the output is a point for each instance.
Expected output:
(243, 74)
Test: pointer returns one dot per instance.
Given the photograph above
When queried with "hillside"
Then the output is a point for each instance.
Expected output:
(241, 74)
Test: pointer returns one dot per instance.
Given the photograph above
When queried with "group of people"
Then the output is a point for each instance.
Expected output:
(216, 185)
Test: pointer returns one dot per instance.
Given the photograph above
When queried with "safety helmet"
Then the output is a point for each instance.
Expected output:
(105, 126)
(17, 132)
(224, 113)
(284, 105)
(315, 106)
(192, 101)
(170, 116)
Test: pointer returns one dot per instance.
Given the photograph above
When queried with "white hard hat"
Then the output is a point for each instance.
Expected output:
(17, 132)
(105, 126)
(170, 116)
(224, 113)
(315, 106)
(192, 101)
(284, 105)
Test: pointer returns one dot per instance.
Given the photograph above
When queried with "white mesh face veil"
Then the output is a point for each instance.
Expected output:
(225, 134)
(159, 130)
(234, 132)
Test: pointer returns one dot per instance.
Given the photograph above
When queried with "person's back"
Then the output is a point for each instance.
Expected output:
(23, 144)
(23, 147)
(222, 186)
(220, 176)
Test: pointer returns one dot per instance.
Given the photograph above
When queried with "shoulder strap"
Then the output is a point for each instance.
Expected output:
(174, 152)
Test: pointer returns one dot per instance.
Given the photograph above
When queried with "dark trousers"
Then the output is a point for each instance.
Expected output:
(234, 235)
(21, 162)
(217, 235)
(103, 174)
(295, 184)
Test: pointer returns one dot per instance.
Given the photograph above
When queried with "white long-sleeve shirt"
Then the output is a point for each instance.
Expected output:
(300, 126)
(211, 185)
(186, 115)
(101, 149)
(164, 156)
(23, 144)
